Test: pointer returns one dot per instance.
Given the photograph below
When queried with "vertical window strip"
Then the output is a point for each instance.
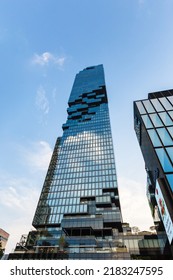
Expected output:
(140, 107)
(170, 152)
(164, 136)
(147, 121)
(167, 105)
(170, 114)
(156, 120)
(149, 107)
(170, 98)
(170, 180)
(156, 103)
(164, 160)
(154, 138)
(166, 118)
(170, 129)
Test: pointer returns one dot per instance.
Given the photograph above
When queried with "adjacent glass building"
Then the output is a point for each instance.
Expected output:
(153, 119)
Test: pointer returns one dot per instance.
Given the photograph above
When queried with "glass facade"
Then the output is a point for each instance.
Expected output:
(157, 117)
(154, 116)
(80, 193)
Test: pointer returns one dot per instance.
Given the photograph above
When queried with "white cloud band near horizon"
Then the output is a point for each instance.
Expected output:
(19, 194)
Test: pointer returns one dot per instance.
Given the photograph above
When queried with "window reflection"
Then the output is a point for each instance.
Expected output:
(165, 137)
(147, 121)
(157, 105)
(156, 120)
(166, 118)
(166, 103)
(154, 138)
(140, 107)
(149, 107)
(170, 180)
(164, 160)
(170, 152)
(170, 129)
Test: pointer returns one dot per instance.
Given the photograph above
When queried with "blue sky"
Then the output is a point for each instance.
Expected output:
(43, 44)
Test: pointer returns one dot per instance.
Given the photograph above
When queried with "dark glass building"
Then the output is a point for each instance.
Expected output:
(80, 193)
(79, 200)
(153, 119)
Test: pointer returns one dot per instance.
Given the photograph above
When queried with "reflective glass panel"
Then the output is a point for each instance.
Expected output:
(147, 121)
(170, 152)
(170, 99)
(171, 114)
(170, 180)
(165, 137)
(149, 107)
(166, 103)
(154, 137)
(164, 160)
(156, 120)
(140, 107)
(157, 105)
(170, 129)
(166, 118)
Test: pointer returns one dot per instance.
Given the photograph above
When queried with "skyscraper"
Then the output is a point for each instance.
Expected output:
(78, 215)
(80, 193)
(80, 197)
(153, 118)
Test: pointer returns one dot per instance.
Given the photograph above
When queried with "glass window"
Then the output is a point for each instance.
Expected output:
(170, 99)
(166, 103)
(170, 152)
(170, 180)
(171, 114)
(157, 105)
(147, 121)
(154, 137)
(156, 120)
(166, 118)
(164, 160)
(165, 137)
(149, 107)
(170, 129)
(140, 107)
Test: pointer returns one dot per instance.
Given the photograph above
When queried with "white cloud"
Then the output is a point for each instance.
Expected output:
(38, 155)
(16, 193)
(19, 195)
(54, 94)
(134, 203)
(18, 199)
(42, 102)
(47, 58)
(60, 61)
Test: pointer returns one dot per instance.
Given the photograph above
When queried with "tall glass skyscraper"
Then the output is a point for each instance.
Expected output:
(80, 194)
(79, 203)
(153, 118)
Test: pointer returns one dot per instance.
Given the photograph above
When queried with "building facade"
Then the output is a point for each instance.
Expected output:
(79, 203)
(153, 122)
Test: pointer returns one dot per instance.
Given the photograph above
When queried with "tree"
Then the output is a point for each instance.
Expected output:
(62, 243)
